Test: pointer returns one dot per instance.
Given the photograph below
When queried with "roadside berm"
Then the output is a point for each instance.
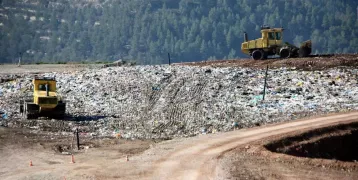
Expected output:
(334, 143)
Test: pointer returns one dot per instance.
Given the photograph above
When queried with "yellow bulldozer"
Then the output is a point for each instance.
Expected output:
(271, 44)
(45, 101)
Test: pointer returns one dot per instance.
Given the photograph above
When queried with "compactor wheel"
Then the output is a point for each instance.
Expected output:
(285, 53)
(258, 55)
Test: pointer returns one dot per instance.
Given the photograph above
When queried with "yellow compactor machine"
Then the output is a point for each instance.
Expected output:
(271, 43)
(45, 102)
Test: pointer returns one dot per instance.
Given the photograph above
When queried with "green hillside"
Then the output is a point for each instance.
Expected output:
(146, 30)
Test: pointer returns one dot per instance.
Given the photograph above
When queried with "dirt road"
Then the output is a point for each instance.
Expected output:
(198, 160)
(191, 158)
(44, 68)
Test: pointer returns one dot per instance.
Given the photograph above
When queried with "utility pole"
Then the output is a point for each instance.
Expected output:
(20, 57)
(169, 58)
(263, 98)
(78, 139)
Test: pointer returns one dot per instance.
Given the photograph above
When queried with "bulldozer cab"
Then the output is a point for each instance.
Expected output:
(45, 92)
(43, 87)
(272, 36)
(44, 84)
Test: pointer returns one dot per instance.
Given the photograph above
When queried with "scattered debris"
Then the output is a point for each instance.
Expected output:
(119, 63)
(162, 102)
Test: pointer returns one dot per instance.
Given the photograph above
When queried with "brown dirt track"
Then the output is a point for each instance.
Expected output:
(199, 160)
(311, 63)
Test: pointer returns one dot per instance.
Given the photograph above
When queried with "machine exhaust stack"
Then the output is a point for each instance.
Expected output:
(245, 37)
(47, 90)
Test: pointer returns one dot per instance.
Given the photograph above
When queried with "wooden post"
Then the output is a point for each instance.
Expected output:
(265, 83)
(169, 58)
(20, 57)
(78, 140)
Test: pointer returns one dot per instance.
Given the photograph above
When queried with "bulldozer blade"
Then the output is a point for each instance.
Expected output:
(57, 113)
(305, 49)
(307, 44)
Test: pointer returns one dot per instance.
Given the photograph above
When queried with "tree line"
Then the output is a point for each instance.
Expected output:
(146, 30)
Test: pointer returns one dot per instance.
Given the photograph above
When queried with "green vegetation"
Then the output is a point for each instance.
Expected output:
(146, 30)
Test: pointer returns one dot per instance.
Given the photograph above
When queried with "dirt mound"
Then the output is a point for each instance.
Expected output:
(310, 63)
(337, 143)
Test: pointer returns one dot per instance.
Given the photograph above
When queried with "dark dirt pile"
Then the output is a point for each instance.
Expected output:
(310, 63)
(337, 143)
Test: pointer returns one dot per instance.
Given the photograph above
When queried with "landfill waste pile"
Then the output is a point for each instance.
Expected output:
(119, 63)
(180, 101)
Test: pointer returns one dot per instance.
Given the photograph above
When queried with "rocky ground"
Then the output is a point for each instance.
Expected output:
(163, 102)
